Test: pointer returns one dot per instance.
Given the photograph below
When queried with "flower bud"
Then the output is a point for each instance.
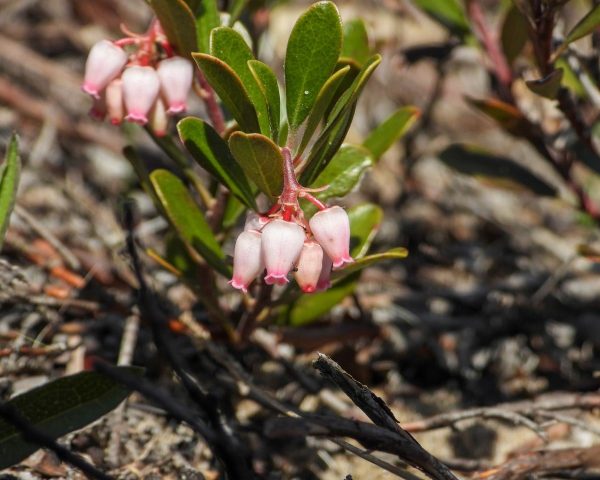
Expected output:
(104, 63)
(325, 277)
(158, 118)
(331, 228)
(176, 75)
(281, 245)
(114, 101)
(310, 264)
(247, 260)
(140, 89)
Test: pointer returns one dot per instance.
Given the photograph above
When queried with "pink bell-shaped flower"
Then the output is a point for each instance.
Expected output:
(309, 267)
(281, 246)
(247, 260)
(176, 75)
(104, 63)
(140, 90)
(114, 101)
(325, 277)
(331, 228)
(158, 118)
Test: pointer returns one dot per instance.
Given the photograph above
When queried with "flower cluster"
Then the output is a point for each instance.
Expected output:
(282, 240)
(144, 85)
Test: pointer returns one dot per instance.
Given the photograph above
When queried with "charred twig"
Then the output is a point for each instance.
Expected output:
(407, 448)
(33, 435)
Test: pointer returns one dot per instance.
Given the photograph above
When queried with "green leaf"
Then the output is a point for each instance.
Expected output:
(343, 172)
(230, 89)
(228, 45)
(233, 211)
(212, 153)
(508, 117)
(585, 26)
(355, 42)
(187, 219)
(267, 82)
(323, 102)
(309, 308)
(60, 407)
(549, 86)
(312, 52)
(514, 33)
(178, 22)
(10, 171)
(397, 253)
(447, 12)
(571, 79)
(338, 124)
(365, 220)
(260, 159)
(384, 136)
(207, 17)
(494, 170)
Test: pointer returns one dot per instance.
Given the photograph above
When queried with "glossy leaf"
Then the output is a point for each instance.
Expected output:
(267, 82)
(212, 153)
(236, 7)
(355, 42)
(447, 12)
(494, 170)
(394, 127)
(324, 100)
(585, 26)
(10, 171)
(260, 159)
(60, 407)
(365, 220)
(338, 124)
(549, 86)
(207, 17)
(309, 308)
(228, 45)
(398, 253)
(343, 172)
(230, 89)
(312, 52)
(514, 33)
(178, 22)
(187, 219)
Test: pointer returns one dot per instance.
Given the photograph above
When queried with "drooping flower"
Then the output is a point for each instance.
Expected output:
(331, 228)
(247, 260)
(114, 101)
(309, 267)
(325, 277)
(140, 90)
(282, 243)
(176, 75)
(158, 118)
(104, 63)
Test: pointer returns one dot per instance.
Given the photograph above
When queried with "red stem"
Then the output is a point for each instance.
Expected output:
(214, 110)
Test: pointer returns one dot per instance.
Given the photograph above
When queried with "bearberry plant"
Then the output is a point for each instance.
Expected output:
(273, 155)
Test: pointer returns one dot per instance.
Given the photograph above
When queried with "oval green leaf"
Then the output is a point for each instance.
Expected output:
(397, 253)
(60, 407)
(323, 101)
(365, 220)
(230, 89)
(260, 159)
(449, 13)
(228, 45)
(355, 43)
(177, 20)
(212, 153)
(207, 17)
(549, 86)
(10, 171)
(187, 219)
(312, 52)
(515, 32)
(267, 81)
(391, 130)
(585, 26)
